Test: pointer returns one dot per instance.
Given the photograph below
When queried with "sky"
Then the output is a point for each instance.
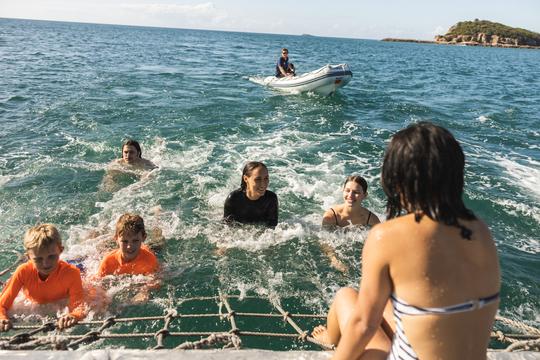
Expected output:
(362, 19)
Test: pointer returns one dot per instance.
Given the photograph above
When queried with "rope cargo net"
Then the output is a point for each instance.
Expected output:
(47, 337)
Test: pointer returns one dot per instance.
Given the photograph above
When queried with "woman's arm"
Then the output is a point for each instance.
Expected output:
(375, 290)
(329, 219)
(228, 210)
(272, 219)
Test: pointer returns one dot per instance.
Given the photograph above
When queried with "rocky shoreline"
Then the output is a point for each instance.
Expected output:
(463, 42)
(482, 33)
(409, 40)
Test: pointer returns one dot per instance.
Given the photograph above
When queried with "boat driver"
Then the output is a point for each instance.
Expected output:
(283, 67)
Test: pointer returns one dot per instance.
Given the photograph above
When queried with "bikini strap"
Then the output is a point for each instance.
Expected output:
(369, 215)
(335, 215)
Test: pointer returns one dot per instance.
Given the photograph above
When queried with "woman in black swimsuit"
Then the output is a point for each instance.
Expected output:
(351, 212)
(252, 203)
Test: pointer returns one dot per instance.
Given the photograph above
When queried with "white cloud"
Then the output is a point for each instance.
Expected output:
(204, 15)
(200, 10)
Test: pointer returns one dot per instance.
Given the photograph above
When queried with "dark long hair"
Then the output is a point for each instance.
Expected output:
(248, 168)
(357, 179)
(135, 144)
(423, 170)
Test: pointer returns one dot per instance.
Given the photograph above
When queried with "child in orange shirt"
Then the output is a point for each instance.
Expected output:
(44, 278)
(131, 257)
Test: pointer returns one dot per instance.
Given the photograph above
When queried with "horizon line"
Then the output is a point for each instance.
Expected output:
(180, 28)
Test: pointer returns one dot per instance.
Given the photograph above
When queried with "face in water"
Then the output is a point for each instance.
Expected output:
(130, 154)
(129, 244)
(257, 182)
(353, 194)
(45, 259)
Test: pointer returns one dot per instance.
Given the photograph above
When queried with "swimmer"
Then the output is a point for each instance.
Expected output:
(132, 156)
(131, 257)
(351, 212)
(130, 162)
(252, 203)
(45, 278)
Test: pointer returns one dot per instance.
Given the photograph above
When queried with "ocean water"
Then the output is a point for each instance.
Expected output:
(71, 93)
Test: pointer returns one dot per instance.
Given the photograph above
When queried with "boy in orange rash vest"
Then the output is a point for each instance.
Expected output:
(44, 278)
(131, 257)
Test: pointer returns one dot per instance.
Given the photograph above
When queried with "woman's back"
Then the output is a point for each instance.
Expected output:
(432, 266)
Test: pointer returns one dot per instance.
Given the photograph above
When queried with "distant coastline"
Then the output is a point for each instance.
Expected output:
(482, 33)
(409, 40)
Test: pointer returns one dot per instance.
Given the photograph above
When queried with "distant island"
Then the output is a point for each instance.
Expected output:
(483, 33)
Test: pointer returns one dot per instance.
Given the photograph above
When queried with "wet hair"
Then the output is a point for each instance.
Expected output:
(41, 236)
(248, 168)
(357, 179)
(135, 144)
(130, 223)
(285, 50)
(423, 170)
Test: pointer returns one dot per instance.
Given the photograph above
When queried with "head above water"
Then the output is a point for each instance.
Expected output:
(133, 143)
(423, 173)
(129, 223)
(357, 179)
(248, 170)
(42, 236)
(284, 52)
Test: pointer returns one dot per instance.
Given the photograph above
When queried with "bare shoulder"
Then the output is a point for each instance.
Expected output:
(389, 234)
(149, 164)
(373, 219)
(329, 217)
(479, 229)
(116, 162)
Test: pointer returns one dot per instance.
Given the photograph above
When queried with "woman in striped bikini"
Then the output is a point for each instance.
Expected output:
(435, 266)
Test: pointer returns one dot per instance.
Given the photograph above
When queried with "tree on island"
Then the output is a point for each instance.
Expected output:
(489, 33)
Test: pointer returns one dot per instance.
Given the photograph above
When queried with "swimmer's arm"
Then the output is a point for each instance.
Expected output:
(328, 220)
(107, 266)
(228, 211)
(10, 292)
(111, 172)
(144, 294)
(5, 325)
(273, 214)
(66, 321)
(149, 165)
(332, 256)
(77, 306)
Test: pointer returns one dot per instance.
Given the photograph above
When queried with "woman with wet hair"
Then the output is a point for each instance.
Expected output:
(252, 203)
(131, 162)
(351, 212)
(433, 262)
(132, 156)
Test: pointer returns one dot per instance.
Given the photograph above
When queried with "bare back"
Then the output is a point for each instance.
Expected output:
(431, 265)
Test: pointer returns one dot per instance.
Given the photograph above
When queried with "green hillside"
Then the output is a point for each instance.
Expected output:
(493, 28)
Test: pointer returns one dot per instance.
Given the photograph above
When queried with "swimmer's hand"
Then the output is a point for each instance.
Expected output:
(5, 325)
(66, 321)
(142, 297)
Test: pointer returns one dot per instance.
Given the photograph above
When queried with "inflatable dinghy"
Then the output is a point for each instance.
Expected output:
(324, 81)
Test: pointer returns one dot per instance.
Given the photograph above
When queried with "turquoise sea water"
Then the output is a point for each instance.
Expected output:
(71, 93)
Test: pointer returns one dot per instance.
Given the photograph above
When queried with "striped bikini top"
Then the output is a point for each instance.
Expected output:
(401, 348)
